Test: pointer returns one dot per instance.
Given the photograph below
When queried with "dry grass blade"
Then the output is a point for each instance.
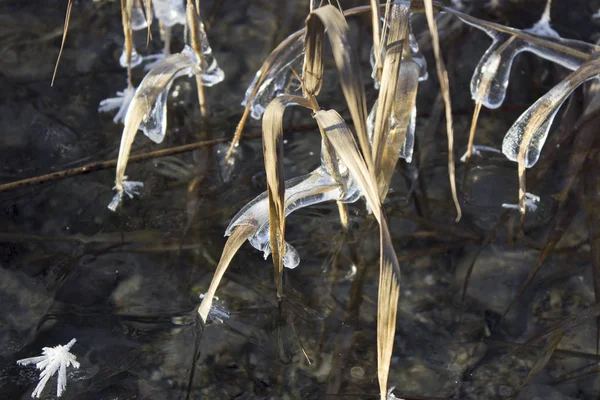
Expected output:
(234, 242)
(312, 70)
(547, 352)
(375, 22)
(337, 132)
(149, 16)
(196, 30)
(445, 87)
(348, 67)
(64, 38)
(291, 44)
(397, 19)
(273, 153)
(145, 96)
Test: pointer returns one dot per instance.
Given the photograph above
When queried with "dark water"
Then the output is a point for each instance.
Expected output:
(127, 284)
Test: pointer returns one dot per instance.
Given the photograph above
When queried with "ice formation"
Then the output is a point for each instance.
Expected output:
(120, 103)
(277, 80)
(130, 188)
(531, 201)
(54, 359)
(491, 76)
(317, 187)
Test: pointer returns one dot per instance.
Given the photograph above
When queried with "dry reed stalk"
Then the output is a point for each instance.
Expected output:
(445, 87)
(335, 129)
(64, 38)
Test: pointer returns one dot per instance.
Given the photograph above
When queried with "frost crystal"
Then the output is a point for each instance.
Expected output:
(130, 188)
(477, 151)
(542, 27)
(53, 359)
(531, 201)
(217, 312)
(121, 102)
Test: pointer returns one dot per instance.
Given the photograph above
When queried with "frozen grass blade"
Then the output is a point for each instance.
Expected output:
(233, 244)
(340, 136)
(312, 70)
(445, 87)
(283, 55)
(397, 19)
(196, 30)
(348, 67)
(64, 38)
(155, 83)
(273, 153)
(377, 37)
(524, 140)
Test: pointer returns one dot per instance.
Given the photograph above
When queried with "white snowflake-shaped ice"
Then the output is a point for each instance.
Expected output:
(53, 359)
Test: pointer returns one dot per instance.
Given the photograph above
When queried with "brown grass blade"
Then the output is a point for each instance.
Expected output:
(348, 67)
(145, 96)
(126, 7)
(377, 37)
(312, 70)
(149, 17)
(196, 29)
(445, 87)
(273, 153)
(397, 18)
(332, 125)
(404, 105)
(233, 244)
(64, 38)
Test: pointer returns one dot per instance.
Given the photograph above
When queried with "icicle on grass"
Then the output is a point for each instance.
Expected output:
(147, 110)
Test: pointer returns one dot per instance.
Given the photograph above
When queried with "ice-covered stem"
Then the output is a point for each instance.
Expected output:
(196, 30)
(126, 7)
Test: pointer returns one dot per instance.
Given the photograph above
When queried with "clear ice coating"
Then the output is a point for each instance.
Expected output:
(538, 117)
(491, 76)
(169, 12)
(136, 58)
(138, 20)
(279, 79)
(415, 55)
(317, 187)
(406, 151)
(154, 124)
(211, 72)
